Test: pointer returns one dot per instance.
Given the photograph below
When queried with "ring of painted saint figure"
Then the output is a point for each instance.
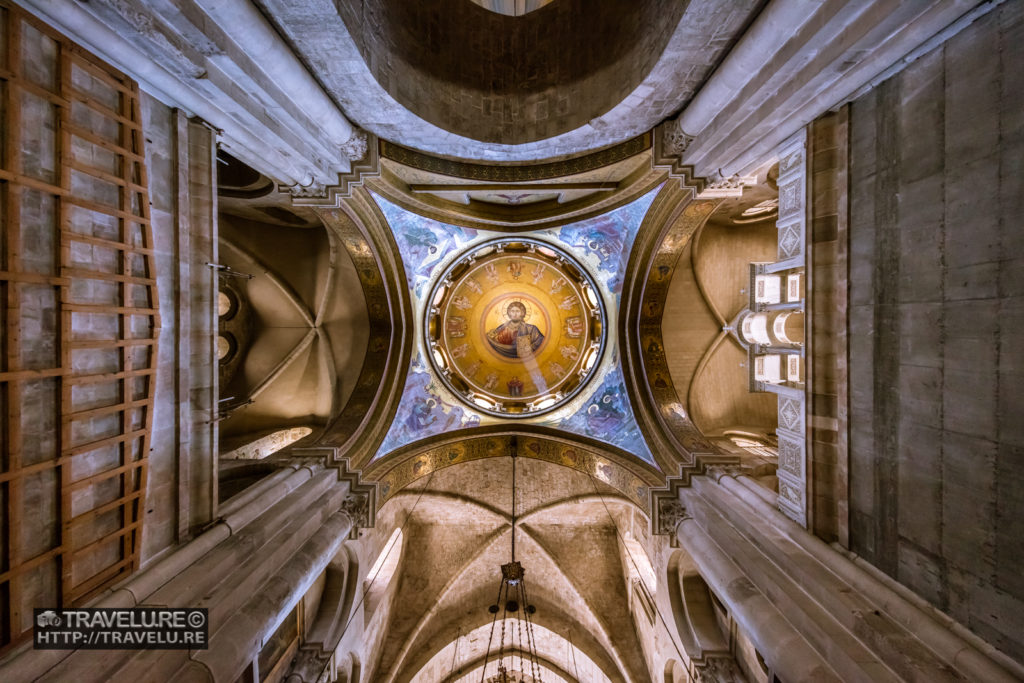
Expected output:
(515, 327)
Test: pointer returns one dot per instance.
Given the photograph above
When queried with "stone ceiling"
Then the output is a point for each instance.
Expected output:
(457, 534)
(453, 78)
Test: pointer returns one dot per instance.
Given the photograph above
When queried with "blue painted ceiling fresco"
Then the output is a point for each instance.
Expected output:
(602, 410)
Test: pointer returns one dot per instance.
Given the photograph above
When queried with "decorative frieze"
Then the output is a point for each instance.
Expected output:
(791, 456)
(791, 414)
(792, 184)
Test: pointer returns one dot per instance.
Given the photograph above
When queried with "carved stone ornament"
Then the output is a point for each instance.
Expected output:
(671, 512)
(716, 472)
(357, 507)
(676, 140)
(355, 147)
(309, 666)
(719, 669)
(314, 189)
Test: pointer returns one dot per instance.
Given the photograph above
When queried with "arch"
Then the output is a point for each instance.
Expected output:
(620, 470)
(693, 609)
(335, 606)
(675, 441)
(675, 672)
(383, 570)
(554, 652)
(359, 226)
(436, 44)
(564, 605)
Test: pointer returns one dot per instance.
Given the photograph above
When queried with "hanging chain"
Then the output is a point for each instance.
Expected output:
(532, 640)
(501, 648)
(455, 653)
(490, 638)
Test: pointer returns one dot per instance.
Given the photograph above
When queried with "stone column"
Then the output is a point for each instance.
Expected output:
(759, 617)
(811, 612)
(249, 570)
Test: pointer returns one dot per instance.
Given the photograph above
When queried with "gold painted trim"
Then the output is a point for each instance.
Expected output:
(620, 470)
(675, 441)
(361, 426)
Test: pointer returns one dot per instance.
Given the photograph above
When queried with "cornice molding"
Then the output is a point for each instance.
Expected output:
(360, 503)
(363, 150)
(626, 174)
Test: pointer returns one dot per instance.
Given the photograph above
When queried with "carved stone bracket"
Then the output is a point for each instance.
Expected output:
(363, 150)
(719, 669)
(360, 503)
(309, 666)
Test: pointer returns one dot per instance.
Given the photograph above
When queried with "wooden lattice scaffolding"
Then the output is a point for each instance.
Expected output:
(79, 315)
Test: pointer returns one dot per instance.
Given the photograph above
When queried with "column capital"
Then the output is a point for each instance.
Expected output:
(362, 151)
(668, 514)
(357, 505)
(718, 669)
(308, 666)
(716, 472)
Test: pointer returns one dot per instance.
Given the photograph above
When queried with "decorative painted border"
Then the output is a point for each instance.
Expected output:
(675, 441)
(622, 471)
(362, 230)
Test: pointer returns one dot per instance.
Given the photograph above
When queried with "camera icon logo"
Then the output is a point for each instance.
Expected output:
(48, 618)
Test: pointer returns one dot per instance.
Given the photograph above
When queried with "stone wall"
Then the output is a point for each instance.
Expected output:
(81, 323)
(827, 408)
(936, 317)
(180, 493)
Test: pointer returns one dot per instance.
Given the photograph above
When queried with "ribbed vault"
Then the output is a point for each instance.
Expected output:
(569, 532)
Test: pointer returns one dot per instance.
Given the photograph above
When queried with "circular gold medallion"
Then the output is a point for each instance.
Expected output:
(515, 327)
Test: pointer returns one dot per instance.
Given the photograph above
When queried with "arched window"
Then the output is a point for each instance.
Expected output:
(642, 578)
(267, 445)
(381, 574)
(226, 346)
(756, 447)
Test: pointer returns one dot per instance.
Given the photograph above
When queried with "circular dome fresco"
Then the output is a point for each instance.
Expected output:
(515, 327)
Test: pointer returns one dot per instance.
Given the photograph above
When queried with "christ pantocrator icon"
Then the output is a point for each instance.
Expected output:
(515, 338)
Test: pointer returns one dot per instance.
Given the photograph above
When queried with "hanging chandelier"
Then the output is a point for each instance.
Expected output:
(517, 660)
